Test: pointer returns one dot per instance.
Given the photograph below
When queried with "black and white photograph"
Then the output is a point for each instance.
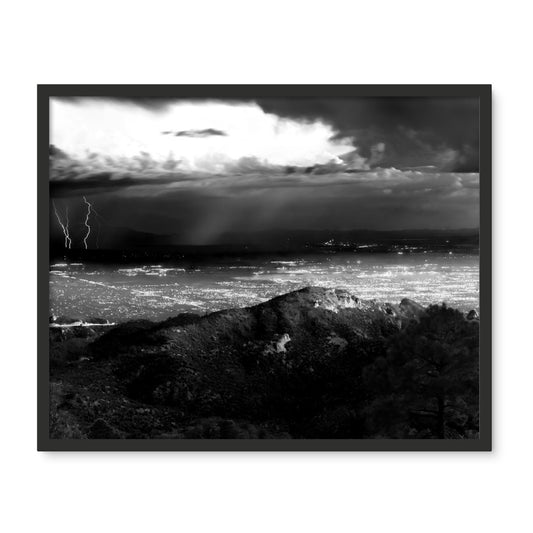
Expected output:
(266, 267)
(279, 265)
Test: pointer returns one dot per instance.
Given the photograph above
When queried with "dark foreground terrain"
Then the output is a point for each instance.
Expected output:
(314, 363)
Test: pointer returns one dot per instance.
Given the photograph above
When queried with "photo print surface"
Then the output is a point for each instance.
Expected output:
(263, 268)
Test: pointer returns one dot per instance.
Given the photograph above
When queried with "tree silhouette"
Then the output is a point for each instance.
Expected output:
(427, 382)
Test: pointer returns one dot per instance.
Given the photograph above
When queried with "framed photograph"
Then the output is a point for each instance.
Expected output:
(262, 268)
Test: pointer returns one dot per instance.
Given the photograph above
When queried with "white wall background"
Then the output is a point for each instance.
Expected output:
(268, 42)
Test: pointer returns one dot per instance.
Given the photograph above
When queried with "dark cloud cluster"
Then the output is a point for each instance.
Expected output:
(209, 132)
(208, 210)
(440, 132)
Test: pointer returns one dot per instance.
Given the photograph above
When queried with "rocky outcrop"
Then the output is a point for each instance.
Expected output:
(277, 344)
(411, 309)
(335, 300)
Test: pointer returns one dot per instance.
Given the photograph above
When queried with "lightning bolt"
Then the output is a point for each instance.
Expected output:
(64, 227)
(67, 228)
(89, 207)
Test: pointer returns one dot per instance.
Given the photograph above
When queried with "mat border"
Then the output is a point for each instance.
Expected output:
(483, 92)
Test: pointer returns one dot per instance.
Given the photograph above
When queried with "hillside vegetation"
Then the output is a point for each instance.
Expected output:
(314, 363)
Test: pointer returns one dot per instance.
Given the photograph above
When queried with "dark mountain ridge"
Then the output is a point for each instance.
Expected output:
(314, 363)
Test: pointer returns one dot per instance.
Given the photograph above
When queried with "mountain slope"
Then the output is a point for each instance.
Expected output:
(312, 363)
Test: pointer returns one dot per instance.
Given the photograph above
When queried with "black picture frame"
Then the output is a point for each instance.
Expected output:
(483, 92)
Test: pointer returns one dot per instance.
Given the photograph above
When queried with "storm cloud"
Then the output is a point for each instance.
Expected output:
(256, 165)
(443, 132)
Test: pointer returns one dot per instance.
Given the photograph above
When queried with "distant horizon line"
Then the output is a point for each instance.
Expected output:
(310, 230)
